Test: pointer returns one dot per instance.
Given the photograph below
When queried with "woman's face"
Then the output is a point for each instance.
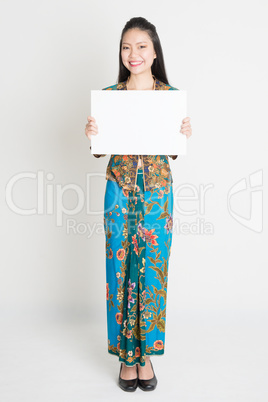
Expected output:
(137, 47)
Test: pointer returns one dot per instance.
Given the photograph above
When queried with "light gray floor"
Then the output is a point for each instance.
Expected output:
(218, 356)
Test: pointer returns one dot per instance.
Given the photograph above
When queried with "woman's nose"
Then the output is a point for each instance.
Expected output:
(132, 53)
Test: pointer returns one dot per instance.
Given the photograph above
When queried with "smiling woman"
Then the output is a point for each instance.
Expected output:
(138, 220)
(137, 55)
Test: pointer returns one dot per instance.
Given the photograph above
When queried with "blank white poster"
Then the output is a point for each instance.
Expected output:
(138, 122)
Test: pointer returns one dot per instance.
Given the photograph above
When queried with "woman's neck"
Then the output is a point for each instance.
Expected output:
(137, 82)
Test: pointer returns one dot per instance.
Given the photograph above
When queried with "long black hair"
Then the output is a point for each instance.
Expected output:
(158, 66)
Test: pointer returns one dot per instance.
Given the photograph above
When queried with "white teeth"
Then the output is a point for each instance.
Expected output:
(134, 64)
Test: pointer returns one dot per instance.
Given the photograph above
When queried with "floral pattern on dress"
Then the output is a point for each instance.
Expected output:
(137, 280)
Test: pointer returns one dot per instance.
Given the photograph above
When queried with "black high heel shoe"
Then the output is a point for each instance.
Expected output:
(148, 385)
(128, 385)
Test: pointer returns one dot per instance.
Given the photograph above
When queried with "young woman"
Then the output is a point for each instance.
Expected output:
(138, 220)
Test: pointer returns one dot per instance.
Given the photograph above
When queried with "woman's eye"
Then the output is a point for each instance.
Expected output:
(126, 47)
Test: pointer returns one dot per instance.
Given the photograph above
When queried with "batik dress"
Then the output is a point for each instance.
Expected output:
(138, 229)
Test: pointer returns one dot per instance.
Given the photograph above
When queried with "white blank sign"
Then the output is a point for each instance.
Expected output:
(138, 122)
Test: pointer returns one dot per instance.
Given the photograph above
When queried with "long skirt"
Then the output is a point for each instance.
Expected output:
(138, 229)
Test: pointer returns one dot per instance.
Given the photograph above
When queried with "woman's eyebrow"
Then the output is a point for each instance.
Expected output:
(136, 43)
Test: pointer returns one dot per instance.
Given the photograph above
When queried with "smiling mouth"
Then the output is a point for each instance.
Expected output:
(135, 64)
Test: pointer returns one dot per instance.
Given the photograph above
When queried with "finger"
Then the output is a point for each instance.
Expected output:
(90, 129)
(186, 125)
(186, 119)
(90, 118)
(91, 125)
(93, 131)
(185, 131)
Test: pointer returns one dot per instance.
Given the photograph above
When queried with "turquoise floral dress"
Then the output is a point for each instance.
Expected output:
(138, 229)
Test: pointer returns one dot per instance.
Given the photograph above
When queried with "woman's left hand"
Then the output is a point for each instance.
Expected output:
(186, 127)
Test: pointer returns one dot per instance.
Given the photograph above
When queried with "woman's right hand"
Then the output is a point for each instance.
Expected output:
(91, 127)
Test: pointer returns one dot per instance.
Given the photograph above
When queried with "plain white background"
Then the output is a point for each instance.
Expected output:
(53, 286)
